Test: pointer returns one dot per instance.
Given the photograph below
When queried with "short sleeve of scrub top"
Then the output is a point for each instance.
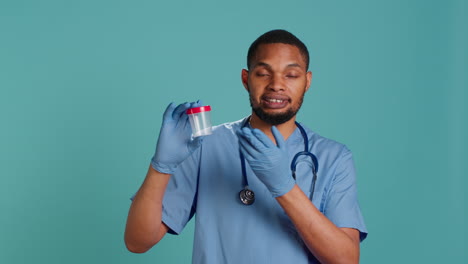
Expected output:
(181, 191)
(341, 206)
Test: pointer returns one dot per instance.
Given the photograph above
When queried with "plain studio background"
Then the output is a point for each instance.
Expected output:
(84, 85)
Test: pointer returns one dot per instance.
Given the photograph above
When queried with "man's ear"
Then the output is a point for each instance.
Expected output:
(309, 79)
(245, 79)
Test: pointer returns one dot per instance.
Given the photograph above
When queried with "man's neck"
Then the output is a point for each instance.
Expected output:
(286, 129)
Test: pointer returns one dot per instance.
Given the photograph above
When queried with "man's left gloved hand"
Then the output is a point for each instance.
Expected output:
(269, 162)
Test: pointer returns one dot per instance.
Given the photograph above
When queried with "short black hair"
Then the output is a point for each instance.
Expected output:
(278, 36)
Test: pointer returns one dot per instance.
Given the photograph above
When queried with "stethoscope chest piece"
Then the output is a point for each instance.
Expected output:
(247, 196)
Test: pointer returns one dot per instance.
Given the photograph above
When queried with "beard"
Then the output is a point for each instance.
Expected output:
(277, 118)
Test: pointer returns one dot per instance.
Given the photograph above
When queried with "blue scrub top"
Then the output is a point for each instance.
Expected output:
(207, 185)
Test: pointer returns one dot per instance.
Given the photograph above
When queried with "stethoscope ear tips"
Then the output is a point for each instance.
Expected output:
(247, 196)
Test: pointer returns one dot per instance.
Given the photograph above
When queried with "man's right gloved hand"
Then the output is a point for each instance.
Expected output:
(175, 142)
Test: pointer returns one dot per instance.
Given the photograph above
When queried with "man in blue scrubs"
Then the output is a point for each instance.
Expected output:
(291, 221)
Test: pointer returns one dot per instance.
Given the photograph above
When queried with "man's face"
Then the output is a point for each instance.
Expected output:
(276, 82)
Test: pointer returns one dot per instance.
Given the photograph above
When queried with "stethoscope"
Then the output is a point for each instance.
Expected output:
(247, 196)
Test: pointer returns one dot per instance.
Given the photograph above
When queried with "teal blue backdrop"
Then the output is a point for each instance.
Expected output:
(83, 85)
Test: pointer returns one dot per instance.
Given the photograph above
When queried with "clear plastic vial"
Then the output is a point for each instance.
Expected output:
(200, 120)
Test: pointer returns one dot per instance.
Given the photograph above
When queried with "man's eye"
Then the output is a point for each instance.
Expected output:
(292, 76)
(260, 74)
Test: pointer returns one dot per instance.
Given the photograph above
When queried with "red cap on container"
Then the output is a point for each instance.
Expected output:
(200, 109)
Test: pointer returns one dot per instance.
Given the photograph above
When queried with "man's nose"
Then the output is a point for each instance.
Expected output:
(277, 83)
